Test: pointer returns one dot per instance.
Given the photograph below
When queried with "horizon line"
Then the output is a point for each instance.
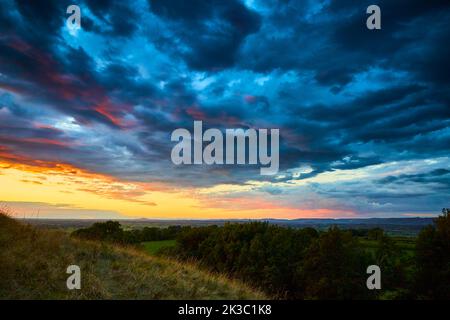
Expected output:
(226, 219)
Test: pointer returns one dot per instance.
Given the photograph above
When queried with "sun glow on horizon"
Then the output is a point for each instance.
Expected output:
(64, 189)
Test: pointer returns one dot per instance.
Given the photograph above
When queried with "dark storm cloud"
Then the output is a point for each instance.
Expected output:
(392, 116)
(406, 120)
(122, 18)
(369, 103)
(41, 77)
(303, 67)
(42, 19)
(213, 31)
(335, 44)
(441, 176)
(403, 27)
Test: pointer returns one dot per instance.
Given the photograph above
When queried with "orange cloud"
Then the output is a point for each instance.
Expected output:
(32, 180)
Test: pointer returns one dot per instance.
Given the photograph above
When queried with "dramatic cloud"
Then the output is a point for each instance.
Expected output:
(363, 114)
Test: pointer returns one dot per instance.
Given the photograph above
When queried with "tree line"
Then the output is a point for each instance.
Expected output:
(304, 263)
(112, 231)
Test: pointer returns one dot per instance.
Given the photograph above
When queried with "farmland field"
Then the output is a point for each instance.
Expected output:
(152, 247)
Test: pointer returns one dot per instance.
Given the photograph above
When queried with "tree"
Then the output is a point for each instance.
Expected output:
(393, 267)
(334, 268)
(375, 234)
(433, 259)
(106, 231)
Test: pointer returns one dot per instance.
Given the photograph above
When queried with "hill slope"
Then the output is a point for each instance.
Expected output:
(33, 265)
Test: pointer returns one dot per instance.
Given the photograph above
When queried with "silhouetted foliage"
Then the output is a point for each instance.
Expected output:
(106, 231)
(290, 263)
(433, 259)
(334, 267)
(375, 234)
(304, 263)
(112, 231)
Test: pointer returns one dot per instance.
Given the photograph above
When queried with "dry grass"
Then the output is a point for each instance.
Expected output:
(33, 265)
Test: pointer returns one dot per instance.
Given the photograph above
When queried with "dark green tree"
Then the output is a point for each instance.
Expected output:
(433, 259)
(334, 268)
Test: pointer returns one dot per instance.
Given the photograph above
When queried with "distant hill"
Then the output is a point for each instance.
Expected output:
(34, 262)
(394, 226)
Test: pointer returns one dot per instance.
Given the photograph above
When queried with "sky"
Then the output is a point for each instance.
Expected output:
(86, 115)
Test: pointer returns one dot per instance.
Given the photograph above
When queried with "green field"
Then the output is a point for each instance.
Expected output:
(152, 247)
(402, 243)
(405, 246)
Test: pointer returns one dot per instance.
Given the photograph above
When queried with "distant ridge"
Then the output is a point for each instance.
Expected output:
(395, 226)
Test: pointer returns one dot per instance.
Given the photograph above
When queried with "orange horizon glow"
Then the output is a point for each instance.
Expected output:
(64, 186)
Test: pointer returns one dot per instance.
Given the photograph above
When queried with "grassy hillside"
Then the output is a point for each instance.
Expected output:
(33, 265)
